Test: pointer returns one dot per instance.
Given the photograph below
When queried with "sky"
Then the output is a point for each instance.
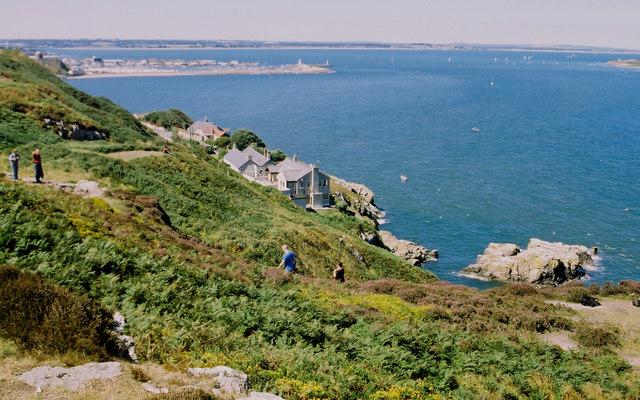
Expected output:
(614, 23)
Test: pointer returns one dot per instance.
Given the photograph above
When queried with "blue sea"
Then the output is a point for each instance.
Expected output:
(557, 155)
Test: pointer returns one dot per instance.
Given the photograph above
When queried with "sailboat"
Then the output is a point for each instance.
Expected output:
(403, 178)
(475, 129)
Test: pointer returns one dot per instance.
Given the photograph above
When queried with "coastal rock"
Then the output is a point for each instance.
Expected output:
(229, 380)
(361, 202)
(636, 302)
(73, 131)
(89, 189)
(410, 251)
(541, 263)
(70, 378)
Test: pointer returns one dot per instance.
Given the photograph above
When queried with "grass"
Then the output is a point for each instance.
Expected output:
(186, 249)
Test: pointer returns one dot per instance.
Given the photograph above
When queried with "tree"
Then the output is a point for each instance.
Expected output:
(243, 138)
(222, 142)
(277, 155)
(168, 119)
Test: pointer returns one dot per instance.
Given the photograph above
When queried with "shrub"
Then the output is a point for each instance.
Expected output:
(42, 316)
(222, 142)
(170, 118)
(192, 394)
(597, 336)
(277, 155)
(243, 138)
(139, 375)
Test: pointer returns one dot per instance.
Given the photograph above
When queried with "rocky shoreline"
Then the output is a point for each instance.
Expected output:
(359, 200)
(541, 262)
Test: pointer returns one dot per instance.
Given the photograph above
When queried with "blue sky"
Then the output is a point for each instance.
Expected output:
(578, 22)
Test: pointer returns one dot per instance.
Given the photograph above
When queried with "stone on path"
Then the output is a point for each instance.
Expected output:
(89, 189)
(229, 379)
(70, 378)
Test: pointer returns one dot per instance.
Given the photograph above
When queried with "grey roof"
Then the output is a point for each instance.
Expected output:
(291, 170)
(256, 157)
(236, 158)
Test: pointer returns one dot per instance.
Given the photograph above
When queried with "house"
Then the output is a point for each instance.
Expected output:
(204, 130)
(249, 162)
(305, 184)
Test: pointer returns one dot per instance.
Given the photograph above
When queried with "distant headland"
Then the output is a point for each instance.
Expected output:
(625, 63)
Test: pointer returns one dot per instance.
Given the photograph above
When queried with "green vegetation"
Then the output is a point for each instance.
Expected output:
(186, 249)
(40, 316)
(277, 155)
(30, 93)
(243, 138)
(169, 119)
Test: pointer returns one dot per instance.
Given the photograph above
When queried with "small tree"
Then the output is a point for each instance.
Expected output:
(222, 142)
(243, 138)
(277, 155)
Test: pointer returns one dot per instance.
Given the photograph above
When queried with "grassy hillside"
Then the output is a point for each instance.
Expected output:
(186, 249)
(29, 93)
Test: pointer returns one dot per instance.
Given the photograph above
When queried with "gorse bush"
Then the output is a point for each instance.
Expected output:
(41, 316)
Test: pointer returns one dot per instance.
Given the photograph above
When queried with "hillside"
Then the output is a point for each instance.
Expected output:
(186, 250)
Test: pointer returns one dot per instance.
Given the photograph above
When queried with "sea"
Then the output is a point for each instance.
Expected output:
(555, 156)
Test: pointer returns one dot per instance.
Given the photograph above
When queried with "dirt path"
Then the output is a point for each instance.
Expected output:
(132, 155)
(612, 311)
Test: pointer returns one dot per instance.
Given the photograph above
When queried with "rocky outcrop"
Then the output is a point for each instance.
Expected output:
(74, 131)
(89, 189)
(70, 378)
(230, 381)
(122, 345)
(410, 251)
(541, 263)
(361, 202)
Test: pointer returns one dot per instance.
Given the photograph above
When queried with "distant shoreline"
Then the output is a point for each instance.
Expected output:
(625, 63)
(306, 70)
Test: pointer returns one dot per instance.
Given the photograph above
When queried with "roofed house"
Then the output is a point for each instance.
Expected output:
(205, 130)
(305, 184)
(249, 162)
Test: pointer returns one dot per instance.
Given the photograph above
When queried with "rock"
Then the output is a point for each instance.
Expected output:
(410, 251)
(71, 378)
(89, 189)
(365, 207)
(151, 388)
(260, 396)
(542, 262)
(74, 131)
(636, 302)
(229, 380)
(122, 345)
(357, 188)
(589, 301)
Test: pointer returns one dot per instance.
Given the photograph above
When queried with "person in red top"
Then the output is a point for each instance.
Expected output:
(37, 165)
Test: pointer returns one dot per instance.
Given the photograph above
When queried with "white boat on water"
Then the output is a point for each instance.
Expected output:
(403, 178)
(475, 129)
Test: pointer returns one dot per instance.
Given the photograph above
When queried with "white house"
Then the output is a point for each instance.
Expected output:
(204, 130)
(303, 183)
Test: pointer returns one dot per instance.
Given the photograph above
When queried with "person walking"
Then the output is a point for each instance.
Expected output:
(288, 260)
(14, 162)
(37, 165)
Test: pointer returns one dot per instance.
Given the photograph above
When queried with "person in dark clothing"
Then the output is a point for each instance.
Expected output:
(338, 273)
(14, 162)
(37, 165)
(165, 148)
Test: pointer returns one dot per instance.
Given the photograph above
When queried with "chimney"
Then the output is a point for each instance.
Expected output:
(295, 157)
(266, 152)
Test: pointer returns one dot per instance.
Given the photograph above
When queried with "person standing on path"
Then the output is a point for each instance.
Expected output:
(14, 161)
(288, 260)
(338, 273)
(37, 165)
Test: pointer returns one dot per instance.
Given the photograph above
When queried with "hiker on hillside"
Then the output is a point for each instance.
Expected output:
(37, 165)
(288, 260)
(165, 148)
(338, 273)
(14, 161)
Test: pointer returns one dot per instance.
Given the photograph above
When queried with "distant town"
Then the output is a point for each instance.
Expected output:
(41, 44)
